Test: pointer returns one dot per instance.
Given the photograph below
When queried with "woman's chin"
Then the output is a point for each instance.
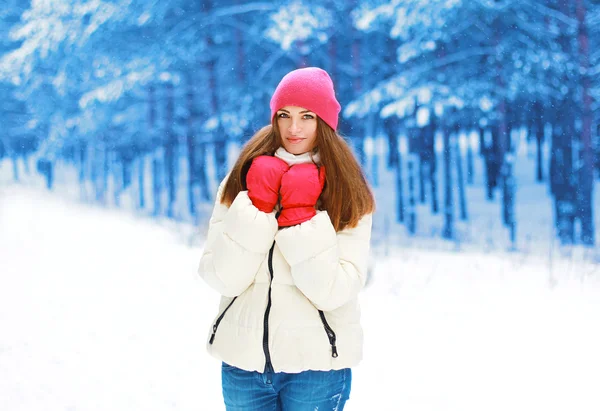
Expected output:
(296, 149)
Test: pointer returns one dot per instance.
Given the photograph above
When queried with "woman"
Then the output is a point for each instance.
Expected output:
(287, 248)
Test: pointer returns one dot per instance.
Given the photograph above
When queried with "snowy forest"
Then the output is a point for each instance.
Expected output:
(143, 105)
(477, 123)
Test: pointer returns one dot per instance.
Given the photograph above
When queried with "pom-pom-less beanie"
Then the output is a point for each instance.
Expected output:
(310, 88)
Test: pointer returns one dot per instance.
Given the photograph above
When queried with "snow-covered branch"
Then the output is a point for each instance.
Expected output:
(545, 11)
(297, 22)
(140, 73)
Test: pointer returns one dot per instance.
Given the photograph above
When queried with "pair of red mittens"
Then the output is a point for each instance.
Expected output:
(300, 187)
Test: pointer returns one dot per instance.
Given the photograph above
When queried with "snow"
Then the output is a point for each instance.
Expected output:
(103, 310)
(98, 311)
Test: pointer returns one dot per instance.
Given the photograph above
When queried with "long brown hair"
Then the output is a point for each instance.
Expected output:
(346, 195)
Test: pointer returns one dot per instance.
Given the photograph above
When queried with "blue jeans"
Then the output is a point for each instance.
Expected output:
(308, 390)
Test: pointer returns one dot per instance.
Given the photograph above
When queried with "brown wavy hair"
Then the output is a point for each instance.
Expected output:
(346, 196)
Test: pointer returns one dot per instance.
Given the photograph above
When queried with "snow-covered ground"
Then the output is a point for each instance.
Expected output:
(100, 310)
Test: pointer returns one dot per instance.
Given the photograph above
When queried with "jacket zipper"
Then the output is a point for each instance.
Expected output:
(330, 334)
(212, 337)
(268, 364)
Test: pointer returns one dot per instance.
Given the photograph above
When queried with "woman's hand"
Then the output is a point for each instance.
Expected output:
(300, 190)
(263, 181)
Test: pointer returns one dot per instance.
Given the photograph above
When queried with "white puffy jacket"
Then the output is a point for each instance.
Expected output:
(309, 274)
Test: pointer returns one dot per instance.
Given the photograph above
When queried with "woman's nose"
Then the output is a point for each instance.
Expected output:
(294, 127)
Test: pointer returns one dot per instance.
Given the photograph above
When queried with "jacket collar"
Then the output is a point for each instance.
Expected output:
(292, 159)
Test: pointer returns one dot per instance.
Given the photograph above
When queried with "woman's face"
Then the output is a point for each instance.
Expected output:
(298, 129)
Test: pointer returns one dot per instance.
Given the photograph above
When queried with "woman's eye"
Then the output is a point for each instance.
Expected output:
(282, 115)
(308, 116)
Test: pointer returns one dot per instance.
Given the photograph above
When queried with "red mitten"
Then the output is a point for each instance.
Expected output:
(300, 189)
(263, 181)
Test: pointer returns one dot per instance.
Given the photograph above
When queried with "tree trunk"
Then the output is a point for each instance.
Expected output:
(509, 199)
(156, 184)
(86, 166)
(45, 167)
(412, 203)
(597, 145)
(503, 143)
(561, 168)
(562, 148)
(462, 196)
(358, 129)
(81, 150)
(508, 179)
(539, 139)
(191, 144)
(586, 173)
(118, 171)
(399, 190)
(390, 125)
(100, 171)
(506, 172)
(220, 141)
(448, 231)
(241, 55)
(201, 171)
(93, 156)
(483, 145)
(428, 163)
(431, 161)
(219, 138)
(490, 158)
(141, 182)
(372, 135)
(470, 161)
(170, 150)
(106, 163)
(50, 176)
(25, 158)
(151, 135)
(14, 158)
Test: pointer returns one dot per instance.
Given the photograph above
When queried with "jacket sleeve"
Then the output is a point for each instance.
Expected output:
(329, 268)
(238, 239)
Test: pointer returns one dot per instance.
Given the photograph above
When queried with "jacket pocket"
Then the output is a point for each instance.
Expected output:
(330, 334)
(216, 325)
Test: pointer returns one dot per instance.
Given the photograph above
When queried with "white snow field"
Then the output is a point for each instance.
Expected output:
(100, 310)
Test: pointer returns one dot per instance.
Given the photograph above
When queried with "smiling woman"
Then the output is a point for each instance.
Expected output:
(287, 248)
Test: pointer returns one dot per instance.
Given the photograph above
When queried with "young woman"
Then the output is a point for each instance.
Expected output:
(287, 249)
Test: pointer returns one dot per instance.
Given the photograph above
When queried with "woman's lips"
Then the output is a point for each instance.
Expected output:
(295, 140)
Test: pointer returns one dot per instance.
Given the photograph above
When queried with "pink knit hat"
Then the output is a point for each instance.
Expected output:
(310, 88)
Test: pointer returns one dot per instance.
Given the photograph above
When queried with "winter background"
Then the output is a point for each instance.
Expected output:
(477, 123)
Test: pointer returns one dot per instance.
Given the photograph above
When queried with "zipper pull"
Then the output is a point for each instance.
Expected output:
(212, 337)
(334, 353)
